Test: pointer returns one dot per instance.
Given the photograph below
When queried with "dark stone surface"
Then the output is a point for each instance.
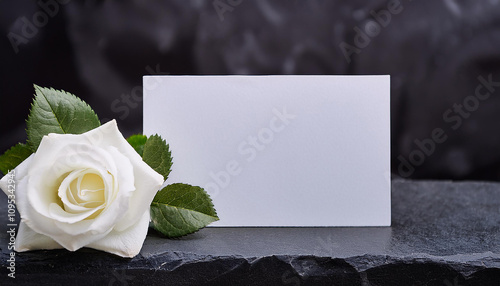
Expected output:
(433, 50)
(443, 233)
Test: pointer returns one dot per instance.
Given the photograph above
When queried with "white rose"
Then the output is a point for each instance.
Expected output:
(88, 190)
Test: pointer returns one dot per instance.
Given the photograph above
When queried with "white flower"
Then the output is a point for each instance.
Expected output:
(88, 190)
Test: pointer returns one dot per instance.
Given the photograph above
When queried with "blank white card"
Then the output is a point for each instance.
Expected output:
(279, 150)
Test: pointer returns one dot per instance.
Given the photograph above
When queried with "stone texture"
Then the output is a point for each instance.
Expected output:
(443, 233)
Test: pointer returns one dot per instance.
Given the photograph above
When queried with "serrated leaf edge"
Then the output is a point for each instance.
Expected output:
(216, 218)
(168, 151)
(211, 204)
(39, 88)
(159, 204)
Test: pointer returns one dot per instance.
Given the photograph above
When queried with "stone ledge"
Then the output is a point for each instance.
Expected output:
(443, 233)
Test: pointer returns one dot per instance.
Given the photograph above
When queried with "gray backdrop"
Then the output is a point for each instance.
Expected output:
(443, 58)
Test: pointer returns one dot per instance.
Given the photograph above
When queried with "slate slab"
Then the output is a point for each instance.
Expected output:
(443, 233)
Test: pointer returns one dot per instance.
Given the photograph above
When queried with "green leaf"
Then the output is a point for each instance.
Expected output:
(13, 157)
(138, 141)
(181, 209)
(157, 155)
(56, 111)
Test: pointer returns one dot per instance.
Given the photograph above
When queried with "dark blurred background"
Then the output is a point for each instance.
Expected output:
(443, 58)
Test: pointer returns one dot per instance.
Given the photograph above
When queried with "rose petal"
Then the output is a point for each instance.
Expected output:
(66, 193)
(147, 180)
(126, 243)
(57, 213)
(148, 183)
(40, 197)
(19, 172)
(122, 225)
(21, 179)
(46, 176)
(27, 239)
(68, 241)
(120, 205)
